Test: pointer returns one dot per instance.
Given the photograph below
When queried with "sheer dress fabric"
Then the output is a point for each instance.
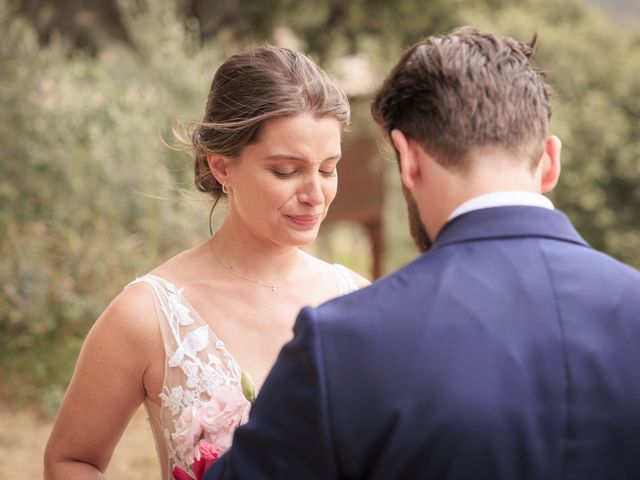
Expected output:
(201, 398)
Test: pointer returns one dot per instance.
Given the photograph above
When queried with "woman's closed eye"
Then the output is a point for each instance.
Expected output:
(290, 173)
(284, 173)
(329, 173)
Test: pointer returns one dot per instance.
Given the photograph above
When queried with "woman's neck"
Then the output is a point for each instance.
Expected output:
(254, 259)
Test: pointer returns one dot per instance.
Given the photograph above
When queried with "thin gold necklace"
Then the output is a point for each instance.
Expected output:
(274, 288)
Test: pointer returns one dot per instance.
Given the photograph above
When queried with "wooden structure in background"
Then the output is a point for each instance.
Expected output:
(360, 196)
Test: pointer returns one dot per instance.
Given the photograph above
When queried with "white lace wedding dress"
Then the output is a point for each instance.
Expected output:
(201, 397)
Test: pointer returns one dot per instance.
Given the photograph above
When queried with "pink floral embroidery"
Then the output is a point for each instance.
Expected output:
(213, 421)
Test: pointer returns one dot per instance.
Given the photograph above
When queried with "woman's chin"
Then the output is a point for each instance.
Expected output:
(303, 238)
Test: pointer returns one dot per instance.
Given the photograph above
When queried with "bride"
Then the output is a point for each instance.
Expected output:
(195, 337)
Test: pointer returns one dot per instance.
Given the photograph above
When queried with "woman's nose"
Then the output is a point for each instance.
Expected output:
(311, 192)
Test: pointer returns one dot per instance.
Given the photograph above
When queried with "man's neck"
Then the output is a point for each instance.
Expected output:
(447, 190)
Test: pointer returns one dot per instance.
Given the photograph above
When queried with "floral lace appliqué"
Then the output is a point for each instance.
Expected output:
(201, 399)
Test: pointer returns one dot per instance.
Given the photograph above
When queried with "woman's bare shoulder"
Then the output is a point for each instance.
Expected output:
(131, 315)
(318, 263)
(185, 266)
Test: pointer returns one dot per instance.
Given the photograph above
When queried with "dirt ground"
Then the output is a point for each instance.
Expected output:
(23, 436)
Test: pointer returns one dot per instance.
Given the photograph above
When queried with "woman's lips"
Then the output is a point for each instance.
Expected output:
(305, 220)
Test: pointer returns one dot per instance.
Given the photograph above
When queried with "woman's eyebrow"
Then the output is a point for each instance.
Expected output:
(282, 156)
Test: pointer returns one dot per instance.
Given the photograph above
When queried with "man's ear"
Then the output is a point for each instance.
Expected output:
(219, 165)
(408, 158)
(549, 165)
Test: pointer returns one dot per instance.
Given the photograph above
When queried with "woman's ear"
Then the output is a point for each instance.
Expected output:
(219, 165)
(409, 165)
(549, 165)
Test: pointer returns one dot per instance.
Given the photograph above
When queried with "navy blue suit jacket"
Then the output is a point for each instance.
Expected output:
(511, 350)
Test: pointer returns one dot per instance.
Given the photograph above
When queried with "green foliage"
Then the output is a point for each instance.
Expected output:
(328, 28)
(90, 196)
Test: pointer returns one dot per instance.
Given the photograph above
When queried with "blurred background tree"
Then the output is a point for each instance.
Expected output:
(90, 196)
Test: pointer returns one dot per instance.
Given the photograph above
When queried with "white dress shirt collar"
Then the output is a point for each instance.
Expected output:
(502, 199)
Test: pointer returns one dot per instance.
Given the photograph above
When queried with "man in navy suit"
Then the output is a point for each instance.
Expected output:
(509, 350)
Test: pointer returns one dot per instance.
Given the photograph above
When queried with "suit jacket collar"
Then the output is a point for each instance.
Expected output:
(508, 222)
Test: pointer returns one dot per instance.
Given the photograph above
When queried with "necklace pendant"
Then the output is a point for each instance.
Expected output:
(273, 289)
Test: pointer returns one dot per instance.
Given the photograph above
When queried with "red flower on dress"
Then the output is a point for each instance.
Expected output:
(208, 455)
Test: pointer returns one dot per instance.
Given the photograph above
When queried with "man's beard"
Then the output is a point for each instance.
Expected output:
(418, 232)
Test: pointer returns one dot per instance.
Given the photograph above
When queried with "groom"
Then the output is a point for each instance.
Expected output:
(510, 350)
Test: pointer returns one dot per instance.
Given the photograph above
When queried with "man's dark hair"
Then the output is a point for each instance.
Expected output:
(464, 90)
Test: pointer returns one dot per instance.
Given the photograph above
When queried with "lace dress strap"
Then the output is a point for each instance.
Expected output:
(345, 278)
(201, 398)
(171, 312)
